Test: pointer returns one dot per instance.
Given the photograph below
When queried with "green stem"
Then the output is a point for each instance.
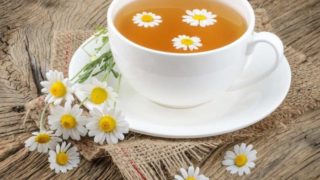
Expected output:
(42, 117)
(106, 77)
(118, 85)
(75, 75)
(82, 102)
(117, 90)
(83, 47)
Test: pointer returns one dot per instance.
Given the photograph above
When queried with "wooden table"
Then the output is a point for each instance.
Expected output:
(26, 29)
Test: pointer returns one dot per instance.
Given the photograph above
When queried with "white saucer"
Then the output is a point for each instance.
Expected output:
(232, 111)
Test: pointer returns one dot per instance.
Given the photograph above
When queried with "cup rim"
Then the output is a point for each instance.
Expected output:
(249, 30)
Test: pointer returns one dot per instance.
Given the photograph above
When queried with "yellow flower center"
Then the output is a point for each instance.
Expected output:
(62, 158)
(107, 123)
(147, 18)
(42, 138)
(67, 121)
(199, 17)
(58, 89)
(191, 178)
(187, 41)
(98, 95)
(241, 160)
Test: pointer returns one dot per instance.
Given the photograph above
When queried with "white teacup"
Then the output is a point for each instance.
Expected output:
(186, 80)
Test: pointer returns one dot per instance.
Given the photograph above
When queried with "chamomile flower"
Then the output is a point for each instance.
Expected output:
(107, 125)
(186, 42)
(63, 158)
(191, 174)
(98, 93)
(67, 121)
(198, 17)
(240, 160)
(42, 141)
(147, 19)
(57, 88)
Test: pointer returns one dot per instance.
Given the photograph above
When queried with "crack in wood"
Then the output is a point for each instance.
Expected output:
(35, 69)
(18, 109)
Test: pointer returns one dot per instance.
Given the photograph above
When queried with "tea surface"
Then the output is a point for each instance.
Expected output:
(161, 24)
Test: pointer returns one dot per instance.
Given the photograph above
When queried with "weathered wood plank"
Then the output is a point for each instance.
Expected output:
(25, 39)
(290, 153)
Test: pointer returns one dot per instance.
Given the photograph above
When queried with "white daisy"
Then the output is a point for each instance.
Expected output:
(57, 88)
(107, 125)
(97, 93)
(186, 42)
(67, 121)
(191, 174)
(147, 19)
(241, 160)
(63, 158)
(198, 17)
(42, 141)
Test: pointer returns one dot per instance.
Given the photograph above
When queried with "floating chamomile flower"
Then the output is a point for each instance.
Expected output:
(241, 160)
(64, 158)
(107, 125)
(42, 141)
(186, 42)
(98, 93)
(147, 19)
(67, 121)
(198, 17)
(191, 174)
(57, 88)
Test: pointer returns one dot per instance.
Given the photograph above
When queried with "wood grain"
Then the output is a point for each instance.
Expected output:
(293, 153)
(26, 29)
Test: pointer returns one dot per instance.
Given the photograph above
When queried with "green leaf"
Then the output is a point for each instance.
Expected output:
(105, 39)
(105, 63)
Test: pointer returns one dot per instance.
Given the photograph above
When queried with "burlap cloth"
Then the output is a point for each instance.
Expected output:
(145, 157)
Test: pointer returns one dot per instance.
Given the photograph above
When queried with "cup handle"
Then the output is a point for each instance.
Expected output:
(262, 37)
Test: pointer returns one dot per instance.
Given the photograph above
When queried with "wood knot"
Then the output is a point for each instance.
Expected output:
(18, 109)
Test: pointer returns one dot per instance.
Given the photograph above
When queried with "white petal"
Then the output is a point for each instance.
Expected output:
(249, 148)
(33, 147)
(251, 164)
(252, 155)
(237, 149)
(99, 138)
(189, 12)
(233, 169)
(196, 11)
(184, 172)
(196, 172)
(67, 147)
(83, 131)
(230, 155)
(203, 23)
(119, 135)
(191, 171)
(108, 139)
(75, 135)
(29, 141)
(228, 162)
(40, 148)
(246, 170)
(63, 146)
(114, 139)
(65, 134)
(242, 148)
(177, 177)
(202, 177)
(240, 171)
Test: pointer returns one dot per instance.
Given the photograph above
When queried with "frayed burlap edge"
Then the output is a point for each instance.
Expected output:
(145, 157)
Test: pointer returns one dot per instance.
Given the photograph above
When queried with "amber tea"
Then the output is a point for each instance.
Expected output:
(180, 26)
